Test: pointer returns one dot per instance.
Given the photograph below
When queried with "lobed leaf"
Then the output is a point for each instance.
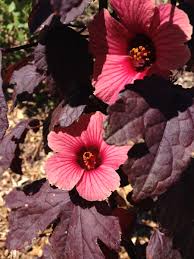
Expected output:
(160, 246)
(78, 237)
(159, 117)
(31, 214)
(41, 11)
(3, 108)
(40, 58)
(69, 9)
(9, 147)
(25, 80)
(69, 63)
(64, 114)
(175, 212)
(78, 224)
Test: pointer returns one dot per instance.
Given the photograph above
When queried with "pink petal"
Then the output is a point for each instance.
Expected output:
(112, 75)
(179, 55)
(93, 135)
(114, 156)
(97, 185)
(63, 142)
(169, 31)
(107, 35)
(160, 72)
(134, 14)
(171, 52)
(68, 139)
(63, 171)
(174, 19)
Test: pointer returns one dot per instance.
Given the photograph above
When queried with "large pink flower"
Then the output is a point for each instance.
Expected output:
(83, 159)
(148, 39)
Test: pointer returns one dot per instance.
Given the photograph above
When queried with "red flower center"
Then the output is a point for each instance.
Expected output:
(89, 158)
(141, 52)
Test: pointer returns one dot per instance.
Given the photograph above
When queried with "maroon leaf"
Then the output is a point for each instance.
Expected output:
(175, 212)
(188, 7)
(127, 219)
(31, 214)
(161, 115)
(25, 80)
(3, 108)
(40, 58)
(9, 147)
(8, 72)
(160, 247)
(40, 12)
(64, 115)
(77, 236)
(69, 9)
(69, 63)
(78, 227)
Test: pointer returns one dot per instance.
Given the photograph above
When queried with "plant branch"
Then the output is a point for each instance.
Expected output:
(21, 47)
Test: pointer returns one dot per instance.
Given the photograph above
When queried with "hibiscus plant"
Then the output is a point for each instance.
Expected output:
(117, 120)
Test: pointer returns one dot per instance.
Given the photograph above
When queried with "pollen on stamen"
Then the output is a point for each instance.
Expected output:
(141, 52)
(89, 158)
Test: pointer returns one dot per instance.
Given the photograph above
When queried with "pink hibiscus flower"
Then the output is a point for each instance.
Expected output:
(83, 159)
(148, 39)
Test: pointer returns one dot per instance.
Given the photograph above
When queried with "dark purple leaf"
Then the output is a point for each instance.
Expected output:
(78, 227)
(8, 72)
(3, 108)
(9, 147)
(64, 115)
(25, 80)
(31, 214)
(159, 117)
(40, 12)
(160, 247)
(188, 7)
(77, 236)
(175, 212)
(69, 9)
(69, 63)
(40, 58)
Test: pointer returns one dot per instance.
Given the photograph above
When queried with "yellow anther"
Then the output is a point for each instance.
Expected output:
(141, 55)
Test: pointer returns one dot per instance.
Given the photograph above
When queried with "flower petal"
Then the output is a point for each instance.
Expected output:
(97, 185)
(63, 171)
(174, 19)
(171, 52)
(179, 55)
(169, 31)
(113, 37)
(63, 142)
(93, 135)
(67, 140)
(111, 76)
(114, 156)
(134, 14)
